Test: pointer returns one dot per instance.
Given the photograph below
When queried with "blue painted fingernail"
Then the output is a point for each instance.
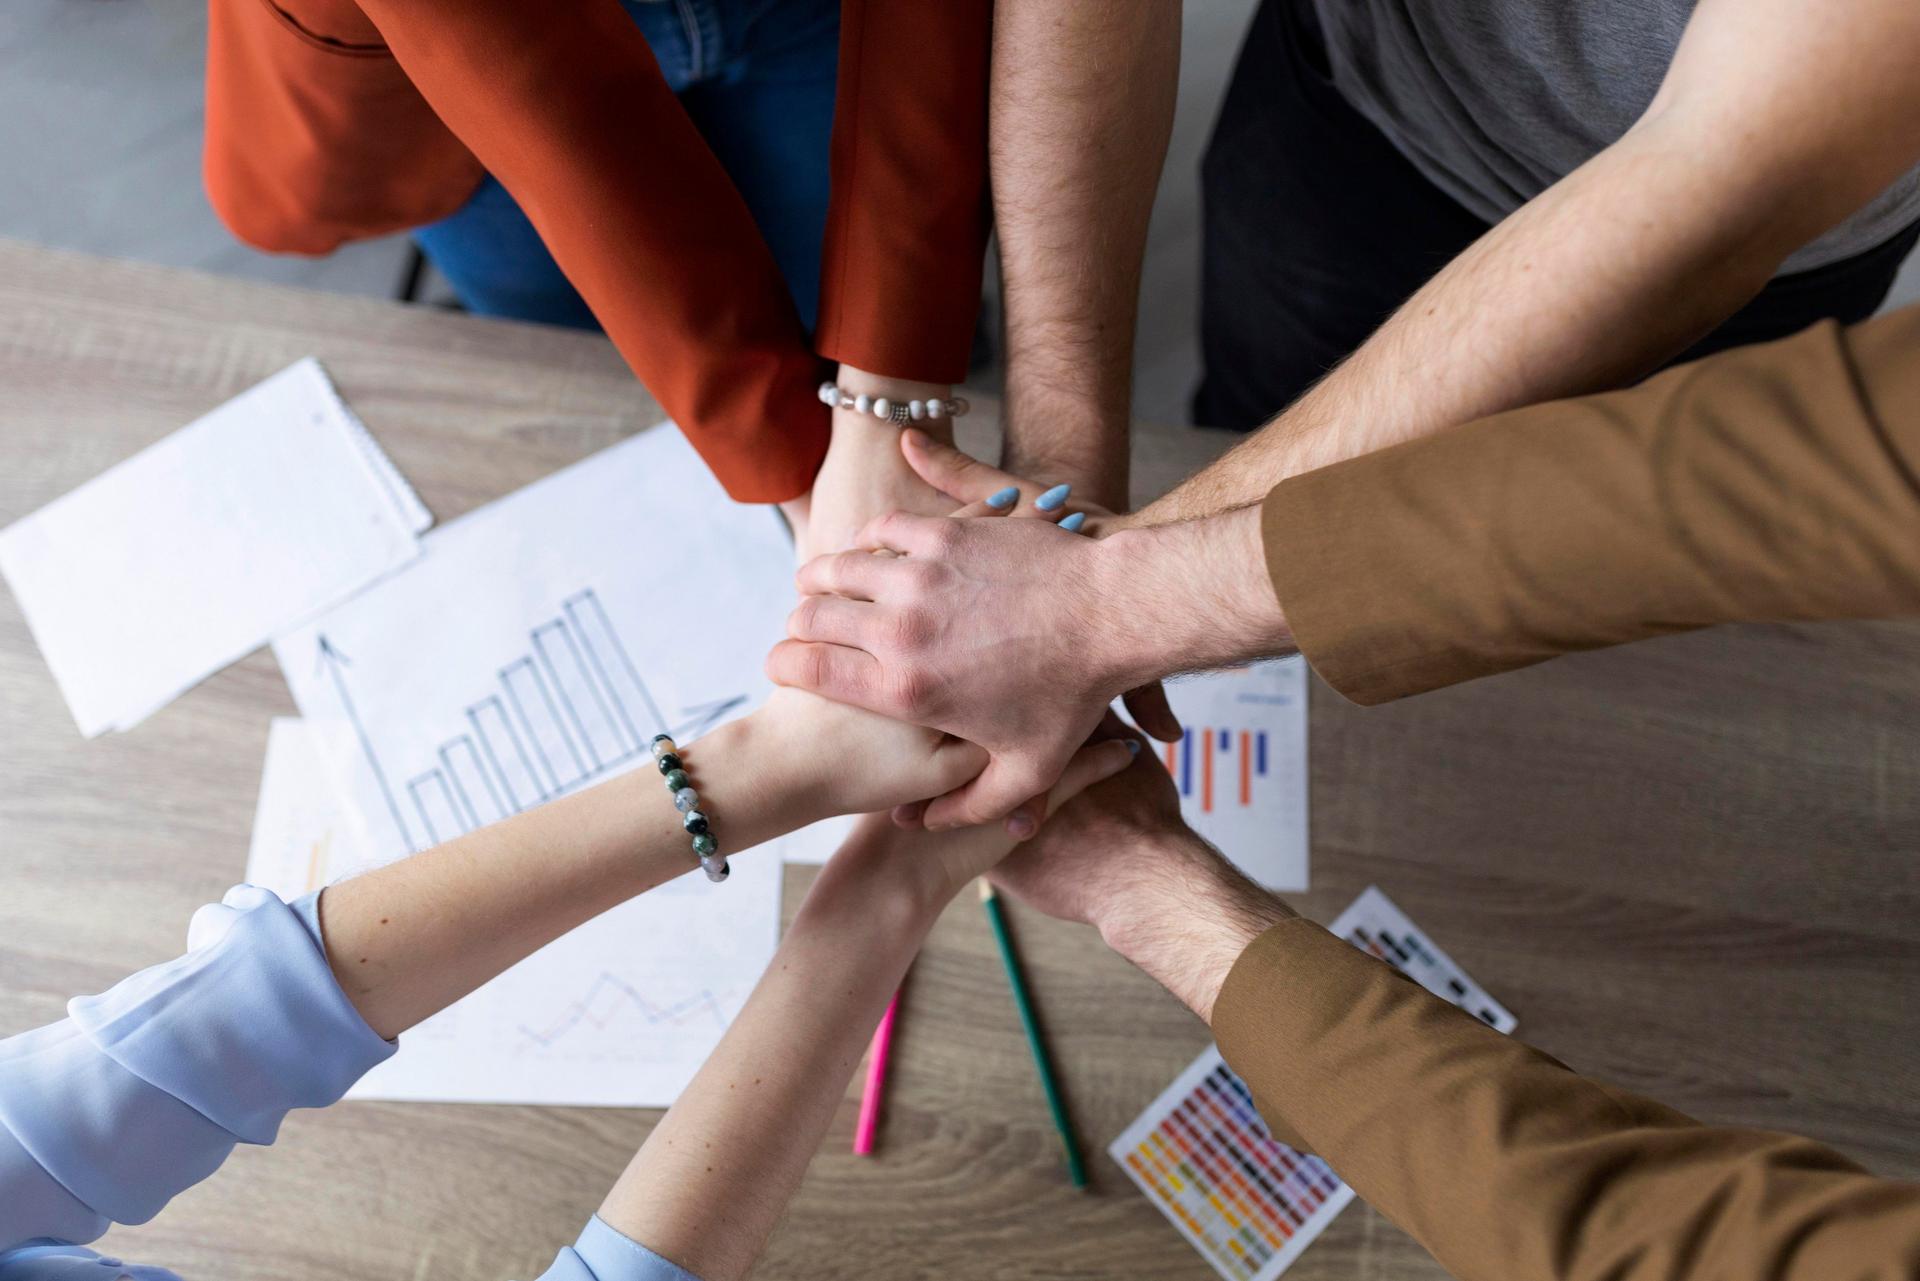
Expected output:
(1004, 498)
(1072, 523)
(1053, 499)
(1133, 746)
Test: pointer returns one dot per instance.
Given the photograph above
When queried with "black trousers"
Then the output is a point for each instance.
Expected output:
(1315, 230)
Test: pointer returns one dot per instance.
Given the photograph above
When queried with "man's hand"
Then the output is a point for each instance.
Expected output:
(1120, 858)
(1016, 634)
(986, 629)
(980, 487)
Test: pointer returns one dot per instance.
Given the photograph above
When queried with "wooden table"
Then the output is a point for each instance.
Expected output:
(1688, 866)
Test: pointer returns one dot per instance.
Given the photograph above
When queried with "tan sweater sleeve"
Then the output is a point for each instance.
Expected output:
(1510, 1167)
(1768, 484)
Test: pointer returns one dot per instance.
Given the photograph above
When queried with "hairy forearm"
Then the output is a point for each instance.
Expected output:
(1080, 111)
(716, 1174)
(1186, 916)
(1612, 271)
(409, 939)
(1186, 597)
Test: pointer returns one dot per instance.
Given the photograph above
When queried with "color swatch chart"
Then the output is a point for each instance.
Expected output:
(1248, 1202)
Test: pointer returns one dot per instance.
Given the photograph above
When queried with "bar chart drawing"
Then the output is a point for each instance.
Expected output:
(1240, 766)
(1218, 767)
(569, 710)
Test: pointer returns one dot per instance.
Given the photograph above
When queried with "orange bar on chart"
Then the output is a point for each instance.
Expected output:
(1246, 768)
(1206, 771)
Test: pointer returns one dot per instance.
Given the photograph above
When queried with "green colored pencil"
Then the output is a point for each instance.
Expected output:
(1042, 1062)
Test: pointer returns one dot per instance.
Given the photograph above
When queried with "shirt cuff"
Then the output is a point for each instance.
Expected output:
(605, 1254)
(143, 1090)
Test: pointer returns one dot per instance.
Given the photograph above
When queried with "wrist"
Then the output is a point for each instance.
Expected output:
(1188, 919)
(1079, 435)
(880, 878)
(753, 780)
(851, 427)
(1192, 596)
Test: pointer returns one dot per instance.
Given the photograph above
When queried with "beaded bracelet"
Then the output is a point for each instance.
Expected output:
(899, 411)
(685, 799)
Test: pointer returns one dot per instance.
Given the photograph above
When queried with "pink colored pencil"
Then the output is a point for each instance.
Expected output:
(869, 1123)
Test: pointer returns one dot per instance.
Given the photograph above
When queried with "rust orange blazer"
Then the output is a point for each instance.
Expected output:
(335, 120)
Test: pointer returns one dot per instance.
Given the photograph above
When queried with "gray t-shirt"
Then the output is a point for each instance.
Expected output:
(1496, 100)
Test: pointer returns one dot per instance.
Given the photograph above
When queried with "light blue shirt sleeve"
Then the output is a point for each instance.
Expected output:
(142, 1091)
(604, 1254)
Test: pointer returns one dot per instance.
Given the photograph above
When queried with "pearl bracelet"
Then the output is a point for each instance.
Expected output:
(898, 411)
(685, 799)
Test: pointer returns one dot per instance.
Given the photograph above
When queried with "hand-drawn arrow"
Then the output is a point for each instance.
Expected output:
(336, 663)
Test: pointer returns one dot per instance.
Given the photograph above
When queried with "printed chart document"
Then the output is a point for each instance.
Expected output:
(533, 650)
(199, 549)
(1203, 1156)
(1242, 766)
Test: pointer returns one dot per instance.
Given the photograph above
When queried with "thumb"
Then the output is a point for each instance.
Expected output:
(1094, 763)
(1153, 713)
(960, 476)
(1001, 786)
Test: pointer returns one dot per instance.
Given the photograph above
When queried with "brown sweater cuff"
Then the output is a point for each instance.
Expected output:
(1770, 483)
(1290, 982)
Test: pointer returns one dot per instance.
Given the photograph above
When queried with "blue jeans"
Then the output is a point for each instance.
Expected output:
(757, 77)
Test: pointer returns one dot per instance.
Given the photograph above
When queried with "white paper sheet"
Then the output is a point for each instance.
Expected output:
(1242, 767)
(303, 838)
(197, 550)
(533, 650)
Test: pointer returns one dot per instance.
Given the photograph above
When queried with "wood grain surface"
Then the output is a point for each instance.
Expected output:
(1688, 866)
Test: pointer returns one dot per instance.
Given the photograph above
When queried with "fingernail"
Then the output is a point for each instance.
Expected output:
(1053, 499)
(1004, 498)
(1072, 523)
(1133, 746)
(1020, 827)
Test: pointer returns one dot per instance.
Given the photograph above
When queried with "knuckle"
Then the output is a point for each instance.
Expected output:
(909, 690)
(909, 629)
(921, 579)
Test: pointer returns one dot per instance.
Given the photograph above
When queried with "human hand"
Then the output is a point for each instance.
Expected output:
(864, 473)
(1120, 857)
(838, 759)
(976, 486)
(988, 629)
(981, 489)
(934, 866)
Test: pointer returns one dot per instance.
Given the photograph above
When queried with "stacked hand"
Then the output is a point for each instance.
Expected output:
(976, 627)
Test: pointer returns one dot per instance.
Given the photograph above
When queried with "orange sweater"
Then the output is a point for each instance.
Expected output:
(335, 120)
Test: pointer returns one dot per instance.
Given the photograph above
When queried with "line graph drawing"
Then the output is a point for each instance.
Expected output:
(610, 995)
(568, 710)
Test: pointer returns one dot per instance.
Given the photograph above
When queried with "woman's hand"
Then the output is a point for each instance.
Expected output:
(980, 489)
(864, 474)
(938, 865)
(850, 761)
